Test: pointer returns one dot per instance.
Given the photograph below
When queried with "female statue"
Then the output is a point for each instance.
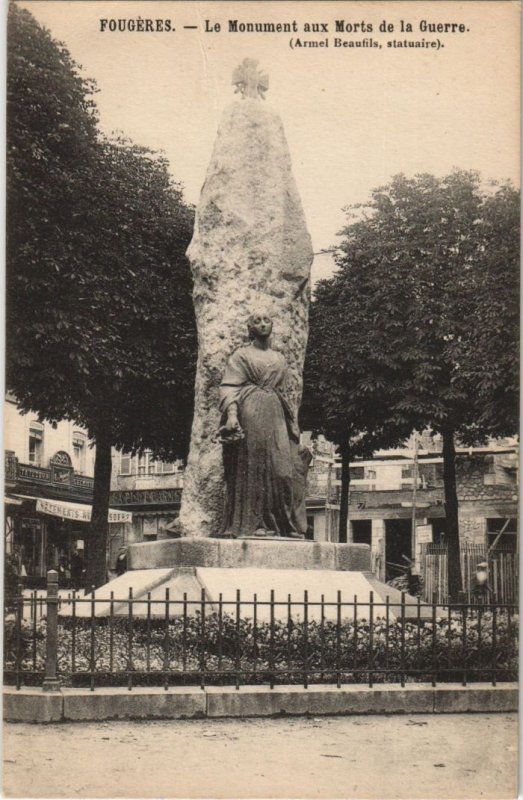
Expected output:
(265, 468)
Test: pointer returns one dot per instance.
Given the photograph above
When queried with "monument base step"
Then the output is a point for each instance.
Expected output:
(260, 553)
(225, 587)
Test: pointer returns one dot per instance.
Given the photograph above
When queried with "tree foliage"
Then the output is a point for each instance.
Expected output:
(418, 328)
(100, 323)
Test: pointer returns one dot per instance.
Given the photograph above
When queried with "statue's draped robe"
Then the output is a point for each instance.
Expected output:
(264, 472)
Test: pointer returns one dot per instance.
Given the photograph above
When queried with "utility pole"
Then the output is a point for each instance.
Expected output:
(414, 496)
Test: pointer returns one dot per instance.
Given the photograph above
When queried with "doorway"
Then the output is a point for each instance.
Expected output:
(361, 531)
(398, 547)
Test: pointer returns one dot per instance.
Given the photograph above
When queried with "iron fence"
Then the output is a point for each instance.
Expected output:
(83, 640)
(502, 571)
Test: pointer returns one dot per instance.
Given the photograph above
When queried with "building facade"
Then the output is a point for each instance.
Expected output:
(48, 487)
(151, 491)
(396, 488)
(49, 471)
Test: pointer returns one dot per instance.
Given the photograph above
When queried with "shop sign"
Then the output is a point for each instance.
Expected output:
(423, 534)
(77, 512)
(145, 497)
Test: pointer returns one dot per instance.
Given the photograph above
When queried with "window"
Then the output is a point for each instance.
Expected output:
(125, 464)
(407, 472)
(165, 468)
(357, 473)
(310, 527)
(146, 464)
(507, 540)
(79, 451)
(371, 474)
(36, 443)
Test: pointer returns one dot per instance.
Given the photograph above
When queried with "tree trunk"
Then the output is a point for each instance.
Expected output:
(345, 487)
(96, 573)
(451, 514)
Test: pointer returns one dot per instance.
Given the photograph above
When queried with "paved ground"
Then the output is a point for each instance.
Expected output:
(420, 756)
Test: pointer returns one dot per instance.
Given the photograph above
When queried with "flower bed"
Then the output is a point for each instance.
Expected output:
(227, 650)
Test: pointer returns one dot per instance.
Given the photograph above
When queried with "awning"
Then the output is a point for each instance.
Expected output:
(12, 501)
(77, 512)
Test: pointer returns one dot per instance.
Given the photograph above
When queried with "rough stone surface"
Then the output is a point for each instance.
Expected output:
(250, 251)
(141, 703)
(258, 701)
(260, 553)
(140, 581)
(285, 582)
(475, 698)
(31, 704)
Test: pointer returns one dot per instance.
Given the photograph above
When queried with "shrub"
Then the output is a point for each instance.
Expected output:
(226, 649)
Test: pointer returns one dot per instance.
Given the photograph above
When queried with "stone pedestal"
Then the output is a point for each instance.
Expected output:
(223, 567)
(248, 553)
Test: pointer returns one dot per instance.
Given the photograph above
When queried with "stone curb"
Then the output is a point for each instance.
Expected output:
(33, 705)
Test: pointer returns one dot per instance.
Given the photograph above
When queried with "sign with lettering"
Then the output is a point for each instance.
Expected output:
(147, 497)
(423, 534)
(77, 512)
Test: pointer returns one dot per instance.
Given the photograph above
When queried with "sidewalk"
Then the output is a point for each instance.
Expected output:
(387, 757)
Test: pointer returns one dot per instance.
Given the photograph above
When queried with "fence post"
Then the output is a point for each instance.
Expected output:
(51, 682)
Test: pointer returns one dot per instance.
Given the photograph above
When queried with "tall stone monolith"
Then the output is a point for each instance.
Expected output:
(250, 251)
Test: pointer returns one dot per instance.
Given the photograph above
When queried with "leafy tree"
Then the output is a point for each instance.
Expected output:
(346, 395)
(100, 321)
(428, 269)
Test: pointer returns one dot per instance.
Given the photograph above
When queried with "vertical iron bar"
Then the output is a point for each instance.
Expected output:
(271, 643)
(355, 634)
(305, 639)
(34, 620)
(510, 625)
(73, 634)
(111, 632)
(371, 636)
(418, 631)
(402, 651)
(255, 632)
(92, 658)
(148, 634)
(387, 630)
(289, 636)
(338, 640)
(480, 653)
(237, 659)
(203, 643)
(433, 641)
(322, 637)
(449, 635)
(166, 641)
(130, 632)
(220, 631)
(184, 635)
(19, 606)
(464, 644)
(494, 642)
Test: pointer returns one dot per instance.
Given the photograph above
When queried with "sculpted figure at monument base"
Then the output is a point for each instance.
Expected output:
(265, 466)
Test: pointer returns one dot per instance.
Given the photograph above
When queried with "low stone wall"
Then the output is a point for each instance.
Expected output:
(34, 705)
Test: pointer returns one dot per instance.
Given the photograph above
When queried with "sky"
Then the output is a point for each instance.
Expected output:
(353, 117)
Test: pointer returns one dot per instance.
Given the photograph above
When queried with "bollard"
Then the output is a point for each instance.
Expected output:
(51, 682)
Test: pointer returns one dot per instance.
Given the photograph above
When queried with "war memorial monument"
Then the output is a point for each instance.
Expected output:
(242, 520)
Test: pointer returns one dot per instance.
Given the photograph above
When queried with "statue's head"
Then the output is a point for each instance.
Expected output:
(259, 325)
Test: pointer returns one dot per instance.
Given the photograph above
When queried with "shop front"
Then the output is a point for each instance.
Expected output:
(47, 515)
(46, 534)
